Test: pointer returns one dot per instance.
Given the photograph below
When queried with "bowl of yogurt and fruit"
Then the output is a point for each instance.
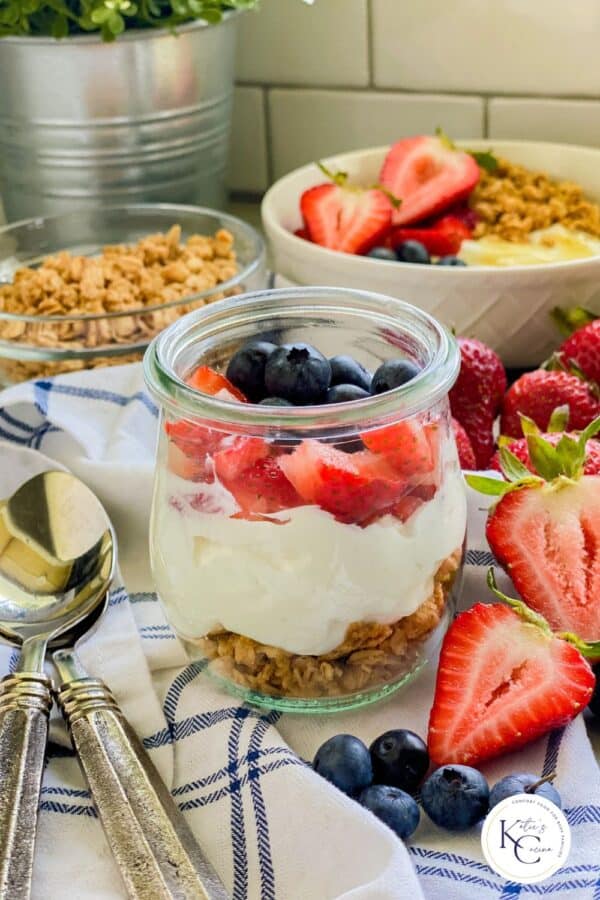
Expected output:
(309, 512)
(488, 236)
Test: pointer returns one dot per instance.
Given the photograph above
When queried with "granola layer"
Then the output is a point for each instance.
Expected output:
(370, 656)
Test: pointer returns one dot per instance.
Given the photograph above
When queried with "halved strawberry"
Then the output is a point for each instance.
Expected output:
(427, 175)
(442, 237)
(250, 471)
(502, 682)
(343, 218)
(352, 487)
(409, 447)
(208, 381)
(545, 530)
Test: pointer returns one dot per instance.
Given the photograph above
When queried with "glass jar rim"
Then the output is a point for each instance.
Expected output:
(432, 383)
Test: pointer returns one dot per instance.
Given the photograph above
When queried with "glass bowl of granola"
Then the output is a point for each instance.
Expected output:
(307, 545)
(93, 287)
(527, 235)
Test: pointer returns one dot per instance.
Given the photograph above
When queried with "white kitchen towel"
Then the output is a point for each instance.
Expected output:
(273, 829)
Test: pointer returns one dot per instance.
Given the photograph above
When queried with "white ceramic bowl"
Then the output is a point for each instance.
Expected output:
(508, 308)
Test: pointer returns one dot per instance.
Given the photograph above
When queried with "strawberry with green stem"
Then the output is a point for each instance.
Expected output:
(545, 529)
(504, 679)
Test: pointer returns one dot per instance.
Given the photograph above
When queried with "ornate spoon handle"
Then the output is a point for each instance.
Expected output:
(25, 702)
(152, 844)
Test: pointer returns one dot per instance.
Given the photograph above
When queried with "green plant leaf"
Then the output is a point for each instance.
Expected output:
(544, 457)
(569, 320)
(571, 453)
(528, 426)
(589, 649)
(492, 487)
(590, 431)
(559, 419)
(512, 467)
(485, 159)
(446, 141)
(521, 608)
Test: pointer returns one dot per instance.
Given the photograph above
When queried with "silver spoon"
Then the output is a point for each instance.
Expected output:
(56, 562)
(157, 854)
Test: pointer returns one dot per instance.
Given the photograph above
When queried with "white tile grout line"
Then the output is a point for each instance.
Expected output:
(440, 92)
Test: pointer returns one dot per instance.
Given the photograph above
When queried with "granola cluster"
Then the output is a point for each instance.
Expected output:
(370, 656)
(513, 201)
(128, 280)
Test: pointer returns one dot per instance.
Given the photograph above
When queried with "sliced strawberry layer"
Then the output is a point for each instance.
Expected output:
(441, 238)
(502, 683)
(208, 381)
(352, 487)
(250, 471)
(549, 542)
(427, 176)
(412, 449)
(346, 219)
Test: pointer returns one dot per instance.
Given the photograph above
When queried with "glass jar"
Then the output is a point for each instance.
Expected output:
(310, 554)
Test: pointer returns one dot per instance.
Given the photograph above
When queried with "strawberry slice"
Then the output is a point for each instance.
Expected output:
(428, 176)
(208, 381)
(501, 683)
(549, 542)
(409, 447)
(343, 218)
(195, 441)
(441, 238)
(249, 470)
(352, 487)
(545, 529)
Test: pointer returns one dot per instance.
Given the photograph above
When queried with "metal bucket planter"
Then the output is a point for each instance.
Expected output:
(143, 119)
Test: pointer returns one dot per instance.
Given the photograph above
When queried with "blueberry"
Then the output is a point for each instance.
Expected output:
(392, 374)
(519, 784)
(455, 797)
(353, 445)
(450, 261)
(383, 253)
(298, 373)
(246, 369)
(399, 758)
(413, 252)
(345, 761)
(396, 808)
(344, 393)
(346, 370)
(275, 401)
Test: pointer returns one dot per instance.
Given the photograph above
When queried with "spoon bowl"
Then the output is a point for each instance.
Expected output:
(57, 559)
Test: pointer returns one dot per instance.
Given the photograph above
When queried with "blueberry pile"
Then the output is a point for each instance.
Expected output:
(412, 252)
(385, 777)
(298, 375)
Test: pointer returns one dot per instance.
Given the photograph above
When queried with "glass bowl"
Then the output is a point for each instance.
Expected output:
(47, 339)
(310, 554)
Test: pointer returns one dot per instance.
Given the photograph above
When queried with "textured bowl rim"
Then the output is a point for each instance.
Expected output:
(272, 223)
(249, 269)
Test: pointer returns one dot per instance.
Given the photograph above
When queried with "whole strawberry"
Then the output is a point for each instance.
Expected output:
(466, 454)
(477, 395)
(583, 348)
(520, 449)
(537, 394)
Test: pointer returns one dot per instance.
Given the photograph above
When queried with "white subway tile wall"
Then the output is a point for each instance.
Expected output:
(343, 74)
(307, 125)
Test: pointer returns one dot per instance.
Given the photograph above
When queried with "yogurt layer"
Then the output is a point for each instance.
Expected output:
(299, 581)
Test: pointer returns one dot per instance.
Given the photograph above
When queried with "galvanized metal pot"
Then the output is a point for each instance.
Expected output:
(143, 119)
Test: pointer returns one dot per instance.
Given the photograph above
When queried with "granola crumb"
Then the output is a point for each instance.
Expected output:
(370, 656)
(513, 201)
